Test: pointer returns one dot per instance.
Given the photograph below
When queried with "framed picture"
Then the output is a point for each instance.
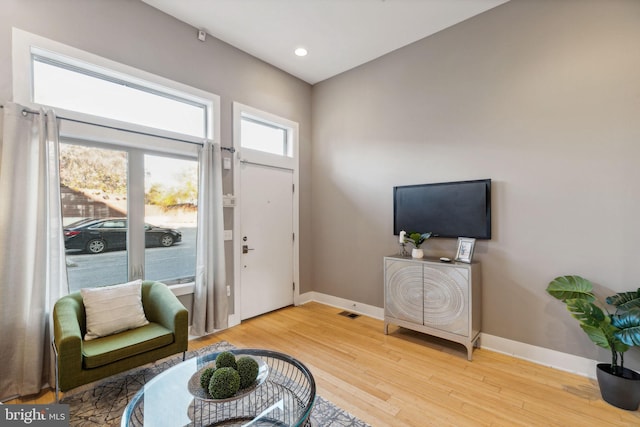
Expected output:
(465, 249)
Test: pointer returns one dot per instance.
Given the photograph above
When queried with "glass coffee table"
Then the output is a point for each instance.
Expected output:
(283, 396)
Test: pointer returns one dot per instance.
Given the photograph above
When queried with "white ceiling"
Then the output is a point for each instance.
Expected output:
(339, 34)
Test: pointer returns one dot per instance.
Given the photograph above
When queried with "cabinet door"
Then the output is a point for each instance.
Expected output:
(446, 298)
(404, 291)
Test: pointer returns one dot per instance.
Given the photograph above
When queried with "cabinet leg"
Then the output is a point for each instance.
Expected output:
(386, 328)
(470, 347)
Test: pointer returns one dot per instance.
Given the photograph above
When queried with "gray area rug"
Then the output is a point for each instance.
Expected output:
(102, 403)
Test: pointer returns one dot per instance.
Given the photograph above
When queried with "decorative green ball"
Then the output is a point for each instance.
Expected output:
(226, 359)
(206, 377)
(224, 383)
(248, 371)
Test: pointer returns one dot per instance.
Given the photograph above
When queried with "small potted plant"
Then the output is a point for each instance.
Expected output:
(617, 332)
(416, 239)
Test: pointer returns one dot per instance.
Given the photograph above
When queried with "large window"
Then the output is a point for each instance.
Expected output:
(128, 161)
(96, 189)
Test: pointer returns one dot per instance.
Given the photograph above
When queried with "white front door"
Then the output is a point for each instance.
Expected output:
(266, 238)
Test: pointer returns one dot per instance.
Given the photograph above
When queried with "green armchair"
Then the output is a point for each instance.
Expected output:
(80, 362)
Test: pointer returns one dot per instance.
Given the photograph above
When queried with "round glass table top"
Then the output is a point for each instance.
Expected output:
(283, 397)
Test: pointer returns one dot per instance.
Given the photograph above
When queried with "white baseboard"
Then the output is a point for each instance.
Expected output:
(234, 320)
(345, 304)
(540, 355)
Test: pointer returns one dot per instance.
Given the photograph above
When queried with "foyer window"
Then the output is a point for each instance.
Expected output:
(264, 136)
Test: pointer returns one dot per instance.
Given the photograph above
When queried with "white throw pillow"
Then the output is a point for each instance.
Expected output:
(112, 309)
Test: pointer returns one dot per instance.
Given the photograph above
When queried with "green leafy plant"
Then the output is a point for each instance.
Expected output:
(225, 382)
(616, 331)
(205, 378)
(248, 369)
(416, 239)
(226, 359)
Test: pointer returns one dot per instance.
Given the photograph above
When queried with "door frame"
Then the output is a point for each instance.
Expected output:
(257, 157)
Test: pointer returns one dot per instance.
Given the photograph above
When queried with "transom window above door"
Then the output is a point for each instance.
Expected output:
(263, 136)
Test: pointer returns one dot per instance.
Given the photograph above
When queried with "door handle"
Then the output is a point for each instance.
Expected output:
(246, 249)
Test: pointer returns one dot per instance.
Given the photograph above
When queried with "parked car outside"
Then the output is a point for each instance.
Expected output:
(96, 235)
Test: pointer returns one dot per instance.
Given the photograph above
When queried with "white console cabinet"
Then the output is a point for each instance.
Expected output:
(433, 297)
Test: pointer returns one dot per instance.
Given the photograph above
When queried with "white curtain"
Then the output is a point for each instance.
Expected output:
(210, 302)
(33, 273)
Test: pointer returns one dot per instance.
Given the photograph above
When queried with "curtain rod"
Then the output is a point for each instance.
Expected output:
(26, 110)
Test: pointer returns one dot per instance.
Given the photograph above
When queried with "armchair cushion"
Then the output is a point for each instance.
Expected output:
(106, 350)
(113, 309)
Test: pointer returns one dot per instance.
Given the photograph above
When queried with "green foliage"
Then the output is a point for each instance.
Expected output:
(90, 168)
(224, 383)
(628, 325)
(416, 239)
(625, 300)
(571, 287)
(616, 332)
(248, 371)
(205, 378)
(587, 313)
(184, 191)
(161, 195)
(226, 359)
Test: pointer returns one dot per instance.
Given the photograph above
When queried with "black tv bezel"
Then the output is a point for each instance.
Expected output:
(487, 182)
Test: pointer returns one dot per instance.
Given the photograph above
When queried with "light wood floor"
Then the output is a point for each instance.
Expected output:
(408, 379)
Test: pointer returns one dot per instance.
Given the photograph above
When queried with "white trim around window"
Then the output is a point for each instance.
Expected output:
(99, 130)
(25, 44)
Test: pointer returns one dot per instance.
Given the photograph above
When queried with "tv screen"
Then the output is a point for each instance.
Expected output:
(447, 209)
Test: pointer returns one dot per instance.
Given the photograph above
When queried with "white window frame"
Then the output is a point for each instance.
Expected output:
(132, 144)
(88, 73)
(81, 127)
(25, 44)
(286, 142)
(288, 161)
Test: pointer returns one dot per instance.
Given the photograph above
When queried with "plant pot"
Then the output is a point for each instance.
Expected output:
(622, 392)
(417, 253)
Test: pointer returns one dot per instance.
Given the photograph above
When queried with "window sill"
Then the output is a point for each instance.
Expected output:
(183, 289)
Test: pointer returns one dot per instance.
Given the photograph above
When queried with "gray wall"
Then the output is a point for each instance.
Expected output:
(543, 97)
(135, 34)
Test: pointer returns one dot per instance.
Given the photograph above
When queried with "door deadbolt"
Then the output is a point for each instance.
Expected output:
(246, 249)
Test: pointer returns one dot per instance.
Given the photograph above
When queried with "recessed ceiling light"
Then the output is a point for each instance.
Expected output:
(301, 51)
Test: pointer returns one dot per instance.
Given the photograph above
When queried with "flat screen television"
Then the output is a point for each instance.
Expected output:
(447, 209)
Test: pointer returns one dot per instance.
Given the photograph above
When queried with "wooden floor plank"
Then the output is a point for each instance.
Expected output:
(410, 379)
